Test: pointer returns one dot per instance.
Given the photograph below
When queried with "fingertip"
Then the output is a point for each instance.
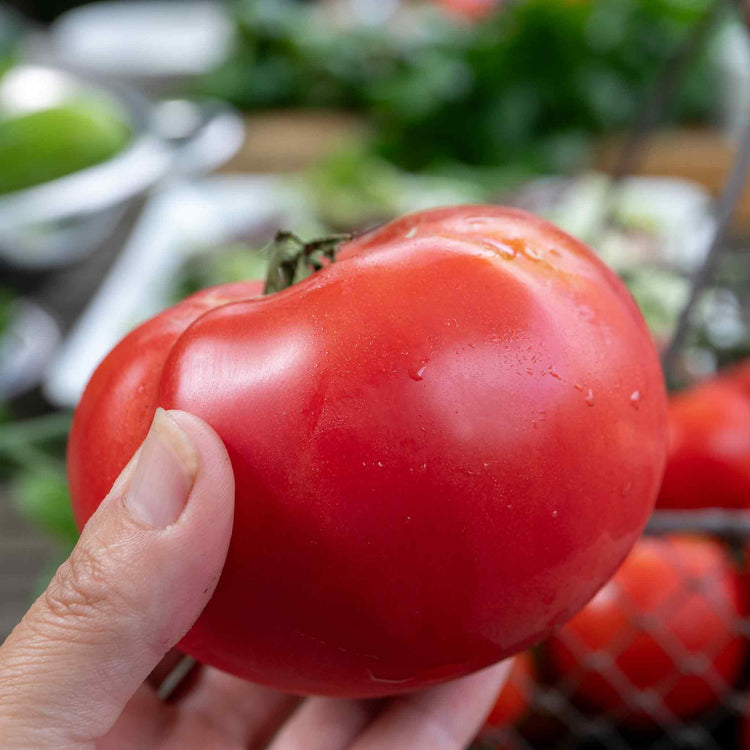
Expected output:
(446, 716)
(132, 587)
(202, 435)
(216, 467)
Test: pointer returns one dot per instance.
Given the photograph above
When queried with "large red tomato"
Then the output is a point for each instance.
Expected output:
(443, 444)
(662, 638)
(708, 464)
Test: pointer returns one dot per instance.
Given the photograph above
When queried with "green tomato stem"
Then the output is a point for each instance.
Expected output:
(290, 256)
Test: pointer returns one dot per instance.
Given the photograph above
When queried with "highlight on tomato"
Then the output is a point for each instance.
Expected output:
(444, 442)
(662, 640)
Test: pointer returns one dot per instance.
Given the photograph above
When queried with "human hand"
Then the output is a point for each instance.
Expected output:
(74, 673)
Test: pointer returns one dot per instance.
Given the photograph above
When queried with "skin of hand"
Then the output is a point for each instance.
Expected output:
(79, 671)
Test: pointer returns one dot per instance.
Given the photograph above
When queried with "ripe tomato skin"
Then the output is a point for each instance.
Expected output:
(708, 463)
(122, 396)
(673, 598)
(514, 698)
(424, 436)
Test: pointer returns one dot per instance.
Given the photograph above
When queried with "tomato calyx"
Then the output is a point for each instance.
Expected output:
(291, 258)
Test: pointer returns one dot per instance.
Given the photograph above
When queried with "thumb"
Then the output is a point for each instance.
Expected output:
(146, 564)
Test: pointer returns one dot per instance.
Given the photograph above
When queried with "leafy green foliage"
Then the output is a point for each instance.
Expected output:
(290, 55)
(538, 80)
(32, 460)
(354, 189)
(237, 261)
(527, 86)
(41, 496)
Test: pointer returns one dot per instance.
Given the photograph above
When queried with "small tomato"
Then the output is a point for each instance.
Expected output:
(708, 463)
(661, 639)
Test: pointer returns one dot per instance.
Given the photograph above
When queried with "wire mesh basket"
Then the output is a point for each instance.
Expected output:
(660, 658)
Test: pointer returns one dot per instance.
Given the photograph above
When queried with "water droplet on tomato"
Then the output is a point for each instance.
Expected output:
(479, 222)
(418, 374)
(635, 399)
(589, 397)
(501, 248)
(554, 514)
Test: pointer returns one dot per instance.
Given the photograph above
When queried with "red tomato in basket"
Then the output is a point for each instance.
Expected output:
(708, 464)
(472, 9)
(661, 639)
(514, 699)
(443, 444)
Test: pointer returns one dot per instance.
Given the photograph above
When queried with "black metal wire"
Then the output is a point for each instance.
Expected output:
(729, 198)
(176, 677)
(663, 92)
(713, 521)
(731, 526)
(661, 95)
(720, 523)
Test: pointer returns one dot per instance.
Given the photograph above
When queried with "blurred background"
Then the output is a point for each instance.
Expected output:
(152, 148)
